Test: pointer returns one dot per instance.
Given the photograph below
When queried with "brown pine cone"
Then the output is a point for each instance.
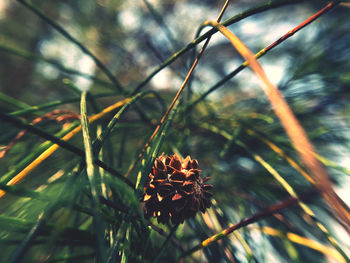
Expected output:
(175, 190)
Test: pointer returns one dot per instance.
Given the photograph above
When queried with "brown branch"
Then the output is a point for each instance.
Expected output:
(244, 222)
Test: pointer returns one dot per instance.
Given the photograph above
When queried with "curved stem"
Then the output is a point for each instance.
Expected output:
(293, 129)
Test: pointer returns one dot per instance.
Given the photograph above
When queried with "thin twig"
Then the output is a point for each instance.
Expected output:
(59, 143)
(54, 103)
(312, 18)
(264, 51)
(56, 115)
(183, 85)
(268, 5)
(247, 221)
(52, 148)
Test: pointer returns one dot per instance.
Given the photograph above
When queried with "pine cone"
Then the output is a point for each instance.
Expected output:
(175, 190)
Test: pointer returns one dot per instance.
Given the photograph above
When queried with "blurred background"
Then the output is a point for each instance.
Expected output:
(225, 129)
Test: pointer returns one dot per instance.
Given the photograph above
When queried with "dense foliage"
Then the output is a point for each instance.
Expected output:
(85, 83)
